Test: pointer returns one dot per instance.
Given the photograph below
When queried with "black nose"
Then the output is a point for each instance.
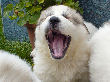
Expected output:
(54, 20)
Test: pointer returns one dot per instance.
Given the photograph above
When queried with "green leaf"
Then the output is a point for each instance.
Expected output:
(69, 1)
(28, 4)
(19, 6)
(59, 1)
(13, 17)
(77, 4)
(21, 22)
(37, 15)
(9, 7)
(72, 5)
(38, 8)
(33, 19)
(40, 1)
(26, 17)
(35, 9)
(67, 4)
(21, 14)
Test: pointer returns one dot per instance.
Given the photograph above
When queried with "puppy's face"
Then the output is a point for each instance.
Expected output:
(58, 28)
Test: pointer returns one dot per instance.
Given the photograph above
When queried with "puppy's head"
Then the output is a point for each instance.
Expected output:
(59, 31)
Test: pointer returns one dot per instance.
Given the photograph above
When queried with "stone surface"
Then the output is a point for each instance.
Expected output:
(96, 11)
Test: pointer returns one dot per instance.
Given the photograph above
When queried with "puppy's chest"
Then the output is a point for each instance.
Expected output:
(61, 72)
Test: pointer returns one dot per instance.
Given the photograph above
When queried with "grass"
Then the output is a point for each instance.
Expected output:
(22, 49)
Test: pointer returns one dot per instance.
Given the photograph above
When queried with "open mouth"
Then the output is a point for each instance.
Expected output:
(58, 43)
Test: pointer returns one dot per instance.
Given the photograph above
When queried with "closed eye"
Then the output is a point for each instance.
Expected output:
(64, 15)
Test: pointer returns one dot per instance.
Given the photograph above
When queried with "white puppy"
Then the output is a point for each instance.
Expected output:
(13, 69)
(61, 50)
(100, 55)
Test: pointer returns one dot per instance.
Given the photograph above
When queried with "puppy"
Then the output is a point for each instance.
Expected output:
(99, 63)
(13, 69)
(61, 50)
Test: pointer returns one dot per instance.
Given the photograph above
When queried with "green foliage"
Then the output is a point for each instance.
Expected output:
(41, 1)
(29, 10)
(59, 1)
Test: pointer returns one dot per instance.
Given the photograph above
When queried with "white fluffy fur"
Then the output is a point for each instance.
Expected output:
(13, 69)
(74, 66)
(100, 55)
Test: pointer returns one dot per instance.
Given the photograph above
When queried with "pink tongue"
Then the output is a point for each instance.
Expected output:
(58, 46)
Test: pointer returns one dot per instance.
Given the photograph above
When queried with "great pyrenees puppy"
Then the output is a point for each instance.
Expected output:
(13, 69)
(99, 63)
(61, 50)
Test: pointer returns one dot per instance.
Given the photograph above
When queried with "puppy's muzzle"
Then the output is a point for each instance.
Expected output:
(54, 21)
